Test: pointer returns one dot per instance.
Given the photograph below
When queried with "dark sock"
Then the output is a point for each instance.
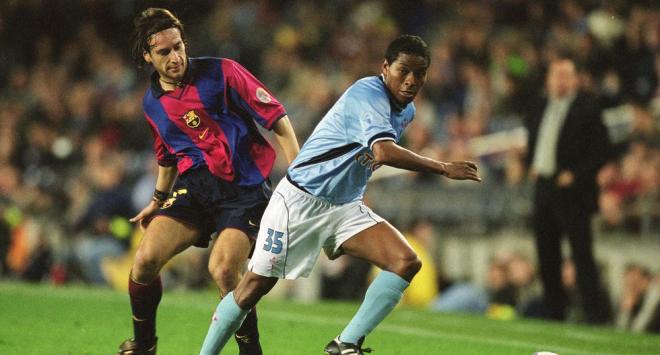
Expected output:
(144, 302)
(249, 327)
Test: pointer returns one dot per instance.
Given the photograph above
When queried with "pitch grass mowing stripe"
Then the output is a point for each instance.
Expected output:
(569, 331)
(582, 334)
(424, 333)
(397, 329)
(603, 336)
(292, 316)
(448, 333)
(587, 338)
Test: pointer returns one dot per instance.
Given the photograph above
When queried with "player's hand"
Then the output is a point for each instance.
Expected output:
(462, 170)
(533, 175)
(146, 212)
(565, 179)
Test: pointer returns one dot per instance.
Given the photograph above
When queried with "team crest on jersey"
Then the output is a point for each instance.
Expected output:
(192, 119)
(263, 95)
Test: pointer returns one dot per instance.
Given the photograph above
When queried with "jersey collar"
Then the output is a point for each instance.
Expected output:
(396, 106)
(157, 89)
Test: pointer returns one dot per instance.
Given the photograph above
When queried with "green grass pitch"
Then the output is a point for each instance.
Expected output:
(41, 319)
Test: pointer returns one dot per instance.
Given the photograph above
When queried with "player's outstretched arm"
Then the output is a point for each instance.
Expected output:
(286, 138)
(164, 182)
(390, 153)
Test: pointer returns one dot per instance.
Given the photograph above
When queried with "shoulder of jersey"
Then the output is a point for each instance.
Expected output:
(367, 86)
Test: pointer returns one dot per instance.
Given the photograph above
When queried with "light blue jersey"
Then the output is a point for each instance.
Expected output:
(336, 161)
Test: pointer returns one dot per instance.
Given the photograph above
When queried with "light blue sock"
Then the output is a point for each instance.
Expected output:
(382, 296)
(226, 320)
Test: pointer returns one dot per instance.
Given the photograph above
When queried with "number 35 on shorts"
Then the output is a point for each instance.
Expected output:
(273, 241)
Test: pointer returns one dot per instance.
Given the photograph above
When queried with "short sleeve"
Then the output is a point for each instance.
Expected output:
(247, 92)
(163, 155)
(370, 121)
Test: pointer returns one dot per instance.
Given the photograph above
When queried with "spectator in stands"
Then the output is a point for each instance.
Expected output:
(497, 296)
(627, 184)
(522, 277)
(567, 145)
(639, 304)
(103, 229)
(629, 198)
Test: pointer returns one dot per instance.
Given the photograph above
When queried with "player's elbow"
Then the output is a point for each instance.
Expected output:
(283, 127)
(383, 152)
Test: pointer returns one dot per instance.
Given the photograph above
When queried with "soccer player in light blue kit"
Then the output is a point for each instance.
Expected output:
(319, 203)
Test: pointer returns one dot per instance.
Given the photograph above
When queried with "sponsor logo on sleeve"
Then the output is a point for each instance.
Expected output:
(263, 95)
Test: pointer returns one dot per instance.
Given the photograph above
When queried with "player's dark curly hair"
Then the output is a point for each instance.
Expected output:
(148, 22)
(408, 44)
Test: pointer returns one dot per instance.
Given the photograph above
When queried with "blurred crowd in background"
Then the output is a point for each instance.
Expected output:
(75, 151)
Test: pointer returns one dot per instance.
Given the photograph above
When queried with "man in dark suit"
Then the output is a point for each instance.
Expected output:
(567, 145)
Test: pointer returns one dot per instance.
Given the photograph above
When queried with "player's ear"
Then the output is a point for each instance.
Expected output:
(386, 65)
(146, 56)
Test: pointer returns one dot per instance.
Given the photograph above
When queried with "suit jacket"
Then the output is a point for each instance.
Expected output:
(583, 146)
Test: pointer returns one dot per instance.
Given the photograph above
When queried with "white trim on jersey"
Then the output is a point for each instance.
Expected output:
(380, 139)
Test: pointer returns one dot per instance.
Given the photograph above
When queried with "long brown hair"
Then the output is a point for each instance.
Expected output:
(148, 22)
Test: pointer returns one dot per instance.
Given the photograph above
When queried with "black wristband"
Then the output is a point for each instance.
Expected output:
(160, 196)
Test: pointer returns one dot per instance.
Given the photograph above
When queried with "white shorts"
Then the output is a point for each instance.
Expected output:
(297, 225)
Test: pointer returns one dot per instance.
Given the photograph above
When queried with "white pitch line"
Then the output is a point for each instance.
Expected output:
(530, 330)
(405, 330)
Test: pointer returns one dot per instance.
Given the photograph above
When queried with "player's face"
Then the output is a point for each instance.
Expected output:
(405, 76)
(167, 54)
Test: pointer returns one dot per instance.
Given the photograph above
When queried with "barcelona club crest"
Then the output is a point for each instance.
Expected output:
(192, 119)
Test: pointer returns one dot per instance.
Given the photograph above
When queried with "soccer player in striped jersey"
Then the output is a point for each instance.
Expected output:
(213, 168)
(319, 203)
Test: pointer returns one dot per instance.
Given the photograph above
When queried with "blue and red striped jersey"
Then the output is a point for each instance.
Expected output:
(209, 120)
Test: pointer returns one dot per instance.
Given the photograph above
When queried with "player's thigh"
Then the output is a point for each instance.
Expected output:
(230, 249)
(292, 232)
(163, 239)
(382, 245)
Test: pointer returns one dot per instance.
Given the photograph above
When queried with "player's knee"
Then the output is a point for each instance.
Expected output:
(145, 268)
(408, 266)
(251, 289)
(225, 276)
(414, 265)
(247, 297)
